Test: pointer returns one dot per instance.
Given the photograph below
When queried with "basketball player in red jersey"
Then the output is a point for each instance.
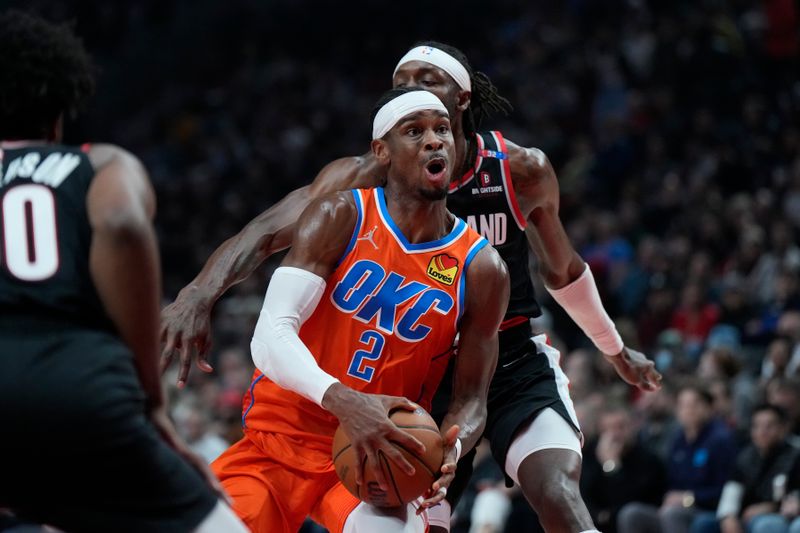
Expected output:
(510, 194)
(362, 315)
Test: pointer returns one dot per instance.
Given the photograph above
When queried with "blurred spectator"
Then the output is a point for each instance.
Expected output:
(193, 424)
(785, 393)
(694, 317)
(698, 465)
(617, 469)
(720, 364)
(658, 426)
(759, 479)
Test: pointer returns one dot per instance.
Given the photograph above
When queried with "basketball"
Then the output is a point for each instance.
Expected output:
(402, 488)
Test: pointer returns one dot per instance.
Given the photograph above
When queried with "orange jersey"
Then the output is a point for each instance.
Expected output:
(386, 322)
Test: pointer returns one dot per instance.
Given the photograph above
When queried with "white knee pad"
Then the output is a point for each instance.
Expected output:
(367, 518)
(547, 431)
(221, 519)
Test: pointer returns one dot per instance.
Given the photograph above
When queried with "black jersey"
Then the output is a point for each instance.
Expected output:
(45, 236)
(484, 197)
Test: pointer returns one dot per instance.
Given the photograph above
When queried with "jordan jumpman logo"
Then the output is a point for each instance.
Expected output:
(368, 237)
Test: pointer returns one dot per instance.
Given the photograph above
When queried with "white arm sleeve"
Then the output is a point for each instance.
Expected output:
(581, 301)
(277, 350)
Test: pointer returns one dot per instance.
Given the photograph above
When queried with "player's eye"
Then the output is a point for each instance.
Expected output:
(413, 132)
(443, 130)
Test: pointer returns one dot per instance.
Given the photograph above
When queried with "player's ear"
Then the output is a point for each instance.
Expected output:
(464, 99)
(381, 151)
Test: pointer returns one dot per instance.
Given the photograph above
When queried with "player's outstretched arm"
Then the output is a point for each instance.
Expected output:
(486, 301)
(185, 326)
(566, 276)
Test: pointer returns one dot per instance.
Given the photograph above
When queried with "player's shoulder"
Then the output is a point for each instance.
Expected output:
(103, 155)
(528, 161)
(334, 206)
(488, 265)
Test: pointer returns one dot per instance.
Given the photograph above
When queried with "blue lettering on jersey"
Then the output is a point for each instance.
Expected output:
(358, 293)
(359, 282)
(384, 304)
(435, 299)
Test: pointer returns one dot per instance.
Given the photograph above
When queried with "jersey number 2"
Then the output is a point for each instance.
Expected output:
(29, 232)
(358, 366)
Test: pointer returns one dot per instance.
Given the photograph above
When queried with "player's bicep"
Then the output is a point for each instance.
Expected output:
(322, 234)
(486, 303)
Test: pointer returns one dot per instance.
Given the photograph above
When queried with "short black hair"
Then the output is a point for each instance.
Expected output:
(45, 70)
(485, 100)
(780, 412)
(388, 96)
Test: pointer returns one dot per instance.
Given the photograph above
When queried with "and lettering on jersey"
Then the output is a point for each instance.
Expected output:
(493, 227)
(485, 198)
(50, 171)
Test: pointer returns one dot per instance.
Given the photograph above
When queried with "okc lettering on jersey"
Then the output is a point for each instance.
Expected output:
(369, 293)
(492, 227)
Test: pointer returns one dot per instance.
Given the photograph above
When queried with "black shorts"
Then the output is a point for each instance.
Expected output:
(523, 384)
(76, 449)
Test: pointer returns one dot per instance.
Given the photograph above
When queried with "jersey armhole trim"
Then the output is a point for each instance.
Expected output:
(476, 247)
(357, 228)
(508, 185)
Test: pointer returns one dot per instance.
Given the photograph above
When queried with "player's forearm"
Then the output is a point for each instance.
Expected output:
(124, 264)
(232, 262)
(236, 258)
(581, 300)
(276, 347)
(469, 414)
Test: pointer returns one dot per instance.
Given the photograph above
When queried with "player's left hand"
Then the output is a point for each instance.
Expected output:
(438, 490)
(636, 369)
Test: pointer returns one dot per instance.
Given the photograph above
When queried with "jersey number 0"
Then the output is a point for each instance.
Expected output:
(29, 232)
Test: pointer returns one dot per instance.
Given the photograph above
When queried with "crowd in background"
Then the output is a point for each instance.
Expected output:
(673, 126)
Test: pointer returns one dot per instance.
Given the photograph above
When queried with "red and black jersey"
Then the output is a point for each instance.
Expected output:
(45, 235)
(484, 197)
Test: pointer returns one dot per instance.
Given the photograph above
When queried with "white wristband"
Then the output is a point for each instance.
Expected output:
(581, 301)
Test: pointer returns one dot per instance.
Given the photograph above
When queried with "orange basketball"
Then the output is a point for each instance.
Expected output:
(402, 488)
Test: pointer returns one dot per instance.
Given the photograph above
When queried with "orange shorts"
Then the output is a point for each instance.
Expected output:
(276, 481)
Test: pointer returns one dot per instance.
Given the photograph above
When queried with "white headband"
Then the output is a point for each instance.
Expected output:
(441, 59)
(407, 103)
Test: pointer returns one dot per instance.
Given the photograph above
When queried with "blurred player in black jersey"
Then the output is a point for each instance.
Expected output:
(85, 441)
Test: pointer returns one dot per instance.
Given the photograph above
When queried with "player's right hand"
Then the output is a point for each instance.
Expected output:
(365, 419)
(186, 329)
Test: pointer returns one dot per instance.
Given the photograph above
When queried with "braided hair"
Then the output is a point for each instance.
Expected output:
(485, 102)
(45, 72)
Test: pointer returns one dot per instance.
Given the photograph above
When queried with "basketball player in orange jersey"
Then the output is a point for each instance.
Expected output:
(510, 194)
(360, 317)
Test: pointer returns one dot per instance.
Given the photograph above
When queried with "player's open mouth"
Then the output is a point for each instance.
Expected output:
(435, 169)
